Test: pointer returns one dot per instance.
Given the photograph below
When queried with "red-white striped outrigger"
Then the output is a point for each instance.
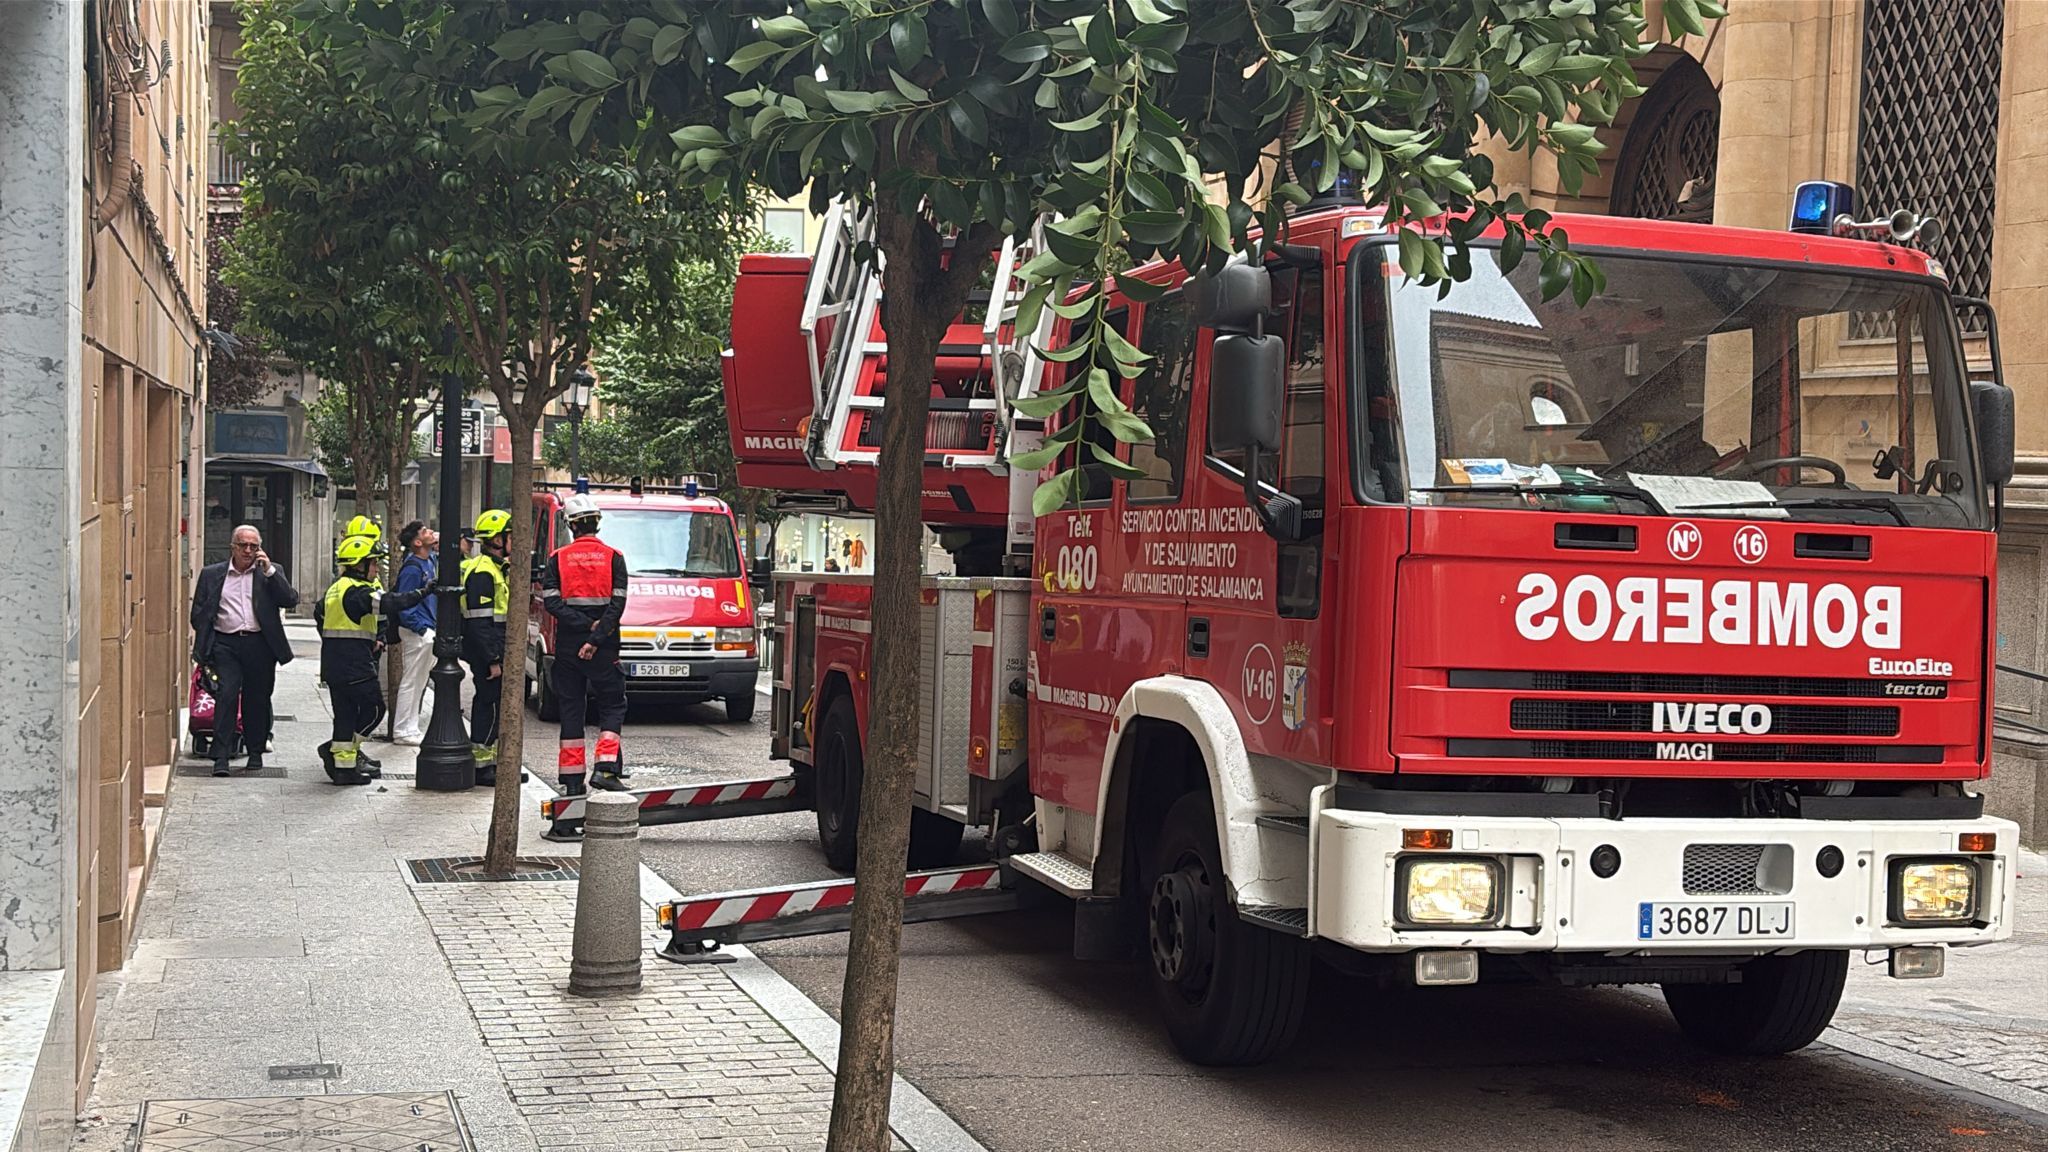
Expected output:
(700, 924)
(690, 802)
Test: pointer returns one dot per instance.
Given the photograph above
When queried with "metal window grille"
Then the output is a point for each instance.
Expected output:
(1666, 171)
(1928, 135)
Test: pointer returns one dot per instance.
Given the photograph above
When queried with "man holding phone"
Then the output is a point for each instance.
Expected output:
(238, 631)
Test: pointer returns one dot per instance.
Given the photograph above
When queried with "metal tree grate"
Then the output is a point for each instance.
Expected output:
(470, 869)
(1928, 137)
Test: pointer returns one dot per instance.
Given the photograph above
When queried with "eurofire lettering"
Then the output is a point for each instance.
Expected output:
(1736, 613)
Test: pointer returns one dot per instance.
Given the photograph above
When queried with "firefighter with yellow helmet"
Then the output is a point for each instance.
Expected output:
(353, 631)
(485, 596)
(364, 527)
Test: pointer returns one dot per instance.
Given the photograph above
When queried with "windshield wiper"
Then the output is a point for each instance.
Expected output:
(1866, 504)
(1624, 491)
(663, 572)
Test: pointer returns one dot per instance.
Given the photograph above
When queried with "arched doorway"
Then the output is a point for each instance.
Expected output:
(1666, 167)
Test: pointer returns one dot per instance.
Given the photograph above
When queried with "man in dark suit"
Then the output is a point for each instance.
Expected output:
(238, 631)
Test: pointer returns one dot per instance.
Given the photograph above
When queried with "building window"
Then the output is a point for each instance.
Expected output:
(1666, 167)
(1927, 138)
(784, 227)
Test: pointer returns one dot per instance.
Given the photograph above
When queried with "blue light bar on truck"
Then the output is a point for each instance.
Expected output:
(1818, 202)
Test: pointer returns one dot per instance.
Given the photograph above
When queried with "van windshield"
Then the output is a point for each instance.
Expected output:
(671, 542)
(1688, 387)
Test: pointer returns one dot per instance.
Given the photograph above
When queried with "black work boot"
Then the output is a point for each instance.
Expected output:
(255, 762)
(606, 779)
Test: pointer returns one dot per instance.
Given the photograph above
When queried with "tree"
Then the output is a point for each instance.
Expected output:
(524, 241)
(237, 363)
(974, 118)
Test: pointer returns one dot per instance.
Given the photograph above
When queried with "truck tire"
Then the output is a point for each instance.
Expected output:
(1232, 993)
(740, 709)
(840, 773)
(1782, 1004)
(546, 704)
(836, 784)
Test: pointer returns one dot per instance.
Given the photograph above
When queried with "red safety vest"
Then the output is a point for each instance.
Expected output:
(586, 567)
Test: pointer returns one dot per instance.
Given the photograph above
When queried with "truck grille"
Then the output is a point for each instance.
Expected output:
(1691, 684)
(1737, 869)
(677, 648)
(1767, 752)
(1635, 716)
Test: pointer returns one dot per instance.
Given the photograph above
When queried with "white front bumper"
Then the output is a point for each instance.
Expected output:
(1555, 902)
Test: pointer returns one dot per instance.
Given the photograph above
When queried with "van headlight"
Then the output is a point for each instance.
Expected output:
(735, 639)
(1934, 891)
(1449, 891)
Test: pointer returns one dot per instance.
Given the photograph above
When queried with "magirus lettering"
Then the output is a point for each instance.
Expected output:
(1667, 750)
(774, 443)
(1734, 613)
(1704, 717)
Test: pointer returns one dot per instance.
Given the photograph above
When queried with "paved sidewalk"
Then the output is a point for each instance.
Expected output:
(281, 929)
(1983, 1026)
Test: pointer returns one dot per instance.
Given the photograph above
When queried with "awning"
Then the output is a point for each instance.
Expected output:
(309, 467)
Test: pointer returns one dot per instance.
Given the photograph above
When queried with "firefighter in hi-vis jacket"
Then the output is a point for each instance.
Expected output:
(485, 595)
(352, 634)
(584, 589)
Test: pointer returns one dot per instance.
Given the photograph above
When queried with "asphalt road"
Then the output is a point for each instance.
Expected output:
(1033, 1051)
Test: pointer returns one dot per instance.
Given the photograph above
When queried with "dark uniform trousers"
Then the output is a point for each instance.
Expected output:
(576, 680)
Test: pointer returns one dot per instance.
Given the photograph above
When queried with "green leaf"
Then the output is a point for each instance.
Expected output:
(668, 43)
(1002, 16)
(579, 124)
(1114, 466)
(1555, 276)
(1412, 261)
(950, 205)
(1085, 122)
(1539, 59)
(1512, 245)
(1066, 355)
(1026, 48)
(1126, 354)
(592, 69)
(968, 118)
(751, 56)
(1057, 492)
(698, 136)
(783, 29)
(1684, 17)
(1147, 12)
(907, 36)
(1140, 291)
(1037, 458)
(910, 91)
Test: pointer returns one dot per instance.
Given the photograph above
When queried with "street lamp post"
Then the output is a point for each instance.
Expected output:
(577, 401)
(446, 763)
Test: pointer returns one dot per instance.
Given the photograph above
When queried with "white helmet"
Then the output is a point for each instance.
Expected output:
(580, 506)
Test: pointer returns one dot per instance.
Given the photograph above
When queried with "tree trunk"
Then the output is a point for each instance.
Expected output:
(920, 301)
(394, 662)
(501, 852)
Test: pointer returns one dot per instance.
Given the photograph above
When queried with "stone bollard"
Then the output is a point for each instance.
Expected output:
(606, 956)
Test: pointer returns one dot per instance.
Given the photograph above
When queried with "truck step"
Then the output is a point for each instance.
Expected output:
(1293, 921)
(1055, 870)
(693, 802)
(699, 925)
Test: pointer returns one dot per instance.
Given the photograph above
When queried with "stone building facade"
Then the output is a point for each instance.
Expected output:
(103, 124)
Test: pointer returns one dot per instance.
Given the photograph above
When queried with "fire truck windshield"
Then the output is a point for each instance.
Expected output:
(672, 542)
(1688, 387)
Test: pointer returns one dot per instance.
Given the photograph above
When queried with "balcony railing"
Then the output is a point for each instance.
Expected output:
(224, 164)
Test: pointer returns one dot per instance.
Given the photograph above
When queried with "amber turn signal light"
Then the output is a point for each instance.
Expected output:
(1977, 842)
(1425, 838)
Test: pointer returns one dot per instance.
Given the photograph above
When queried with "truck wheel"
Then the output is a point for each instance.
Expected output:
(1232, 993)
(1782, 1004)
(546, 704)
(934, 840)
(740, 709)
(837, 784)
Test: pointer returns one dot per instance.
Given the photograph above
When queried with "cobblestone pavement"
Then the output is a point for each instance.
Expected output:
(281, 929)
(1983, 1025)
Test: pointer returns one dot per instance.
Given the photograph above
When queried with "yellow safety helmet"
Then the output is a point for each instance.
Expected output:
(362, 526)
(494, 522)
(355, 550)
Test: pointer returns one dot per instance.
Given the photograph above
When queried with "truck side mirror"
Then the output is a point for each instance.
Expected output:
(1234, 298)
(1992, 404)
(1247, 379)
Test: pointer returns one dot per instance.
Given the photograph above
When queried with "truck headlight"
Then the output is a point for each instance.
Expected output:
(1445, 891)
(1934, 891)
(735, 640)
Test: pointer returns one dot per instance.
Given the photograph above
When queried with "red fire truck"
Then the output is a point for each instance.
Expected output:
(688, 633)
(1450, 637)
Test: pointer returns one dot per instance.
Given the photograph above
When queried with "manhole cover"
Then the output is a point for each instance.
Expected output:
(205, 768)
(470, 869)
(413, 1121)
